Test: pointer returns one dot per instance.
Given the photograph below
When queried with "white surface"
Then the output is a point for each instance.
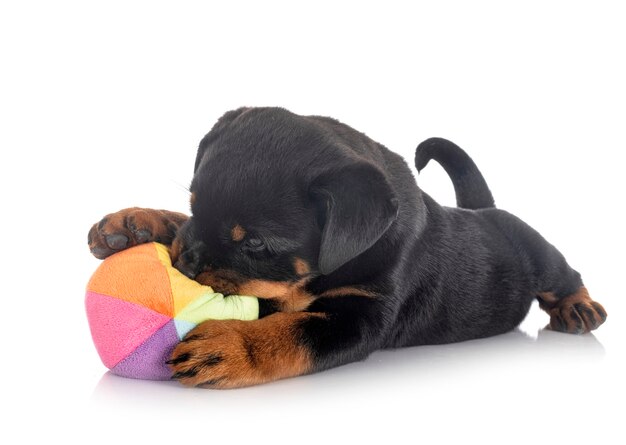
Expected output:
(102, 108)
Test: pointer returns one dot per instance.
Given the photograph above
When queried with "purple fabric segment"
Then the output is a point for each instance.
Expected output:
(148, 360)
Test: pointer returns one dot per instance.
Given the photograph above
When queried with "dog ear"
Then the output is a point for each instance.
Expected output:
(221, 123)
(356, 206)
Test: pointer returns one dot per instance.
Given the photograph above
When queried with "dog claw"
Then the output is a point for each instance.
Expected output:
(181, 358)
(184, 374)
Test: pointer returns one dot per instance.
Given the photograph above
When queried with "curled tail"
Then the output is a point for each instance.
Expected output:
(470, 187)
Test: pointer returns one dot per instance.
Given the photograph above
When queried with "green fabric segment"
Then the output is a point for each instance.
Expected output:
(215, 306)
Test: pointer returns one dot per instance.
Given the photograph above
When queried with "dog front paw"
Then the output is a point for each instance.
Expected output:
(236, 353)
(216, 354)
(129, 227)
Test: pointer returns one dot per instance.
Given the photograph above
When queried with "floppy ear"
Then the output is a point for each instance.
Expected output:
(221, 123)
(357, 206)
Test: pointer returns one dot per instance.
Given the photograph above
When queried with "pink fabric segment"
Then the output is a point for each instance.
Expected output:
(119, 327)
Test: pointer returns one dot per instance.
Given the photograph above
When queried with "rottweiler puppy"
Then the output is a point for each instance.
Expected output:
(348, 255)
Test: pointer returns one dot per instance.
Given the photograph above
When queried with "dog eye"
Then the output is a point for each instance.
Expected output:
(254, 244)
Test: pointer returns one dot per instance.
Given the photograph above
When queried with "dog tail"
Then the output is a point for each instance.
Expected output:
(470, 187)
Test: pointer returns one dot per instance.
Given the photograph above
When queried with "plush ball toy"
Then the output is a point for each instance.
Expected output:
(139, 307)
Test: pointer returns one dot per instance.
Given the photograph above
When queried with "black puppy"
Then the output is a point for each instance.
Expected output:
(348, 255)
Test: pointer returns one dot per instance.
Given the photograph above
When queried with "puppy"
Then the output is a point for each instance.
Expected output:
(347, 254)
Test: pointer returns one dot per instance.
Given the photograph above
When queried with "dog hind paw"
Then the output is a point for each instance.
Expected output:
(576, 314)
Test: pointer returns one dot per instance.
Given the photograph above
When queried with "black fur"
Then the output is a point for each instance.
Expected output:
(313, 188)
(470, 187)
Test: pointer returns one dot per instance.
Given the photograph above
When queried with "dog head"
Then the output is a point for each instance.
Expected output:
(276, 200)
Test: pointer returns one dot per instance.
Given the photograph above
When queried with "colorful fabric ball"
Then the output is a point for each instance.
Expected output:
(139, 307)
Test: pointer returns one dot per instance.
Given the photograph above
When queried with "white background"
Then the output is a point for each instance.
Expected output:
(102, 106)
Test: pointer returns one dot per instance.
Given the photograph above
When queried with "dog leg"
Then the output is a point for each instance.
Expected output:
(234, 353)
(557, 286)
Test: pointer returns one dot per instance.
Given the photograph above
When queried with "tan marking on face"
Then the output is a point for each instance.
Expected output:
(347, 291)
(301, 266)
(192, 199)
(221, 280)
(292, 295)
(237, 233)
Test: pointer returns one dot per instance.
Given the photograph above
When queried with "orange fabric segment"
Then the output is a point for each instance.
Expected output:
(184, 290)
(135, 275)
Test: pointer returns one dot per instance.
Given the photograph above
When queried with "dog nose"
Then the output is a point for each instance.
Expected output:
(186, 269)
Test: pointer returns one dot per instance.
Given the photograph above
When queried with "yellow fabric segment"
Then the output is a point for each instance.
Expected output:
(184, 290)
(195, 302)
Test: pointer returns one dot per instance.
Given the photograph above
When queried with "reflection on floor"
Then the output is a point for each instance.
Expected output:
(426, 366)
